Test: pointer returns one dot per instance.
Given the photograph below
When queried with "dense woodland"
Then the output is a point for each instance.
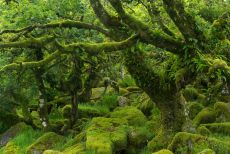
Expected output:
(115, 76)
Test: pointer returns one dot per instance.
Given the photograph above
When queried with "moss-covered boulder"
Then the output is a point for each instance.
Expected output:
(196, 143)
(218, 127)
(222, 111)
(11, 148)
(46, 141)
(106, 135)
(164, 151)
(194, 108)
(12, 132)
(207, 151)
(207, 115)
(134, 116)
(52, 152)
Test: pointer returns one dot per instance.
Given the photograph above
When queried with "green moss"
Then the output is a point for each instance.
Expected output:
(99, 142)
(164, 151)
(222, 111)
(11, 148)
(139, 136)
(75, 149)
(66, 111)
(202, 130)
(106, 135)
(207, 115)
(52, 152)
(207, 151)
(219, 127)
(185, 142)
(134, 116)
(190, 93)
(123, 91)
(146, 106)
(194, 108)
(46, 141)
(133, 88)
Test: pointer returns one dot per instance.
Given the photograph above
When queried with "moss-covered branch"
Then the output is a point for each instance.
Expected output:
(29, 43)
(95, 48)
(30, 65)
(60, 24)
(108, 20)
(146, 33)
(184, 21)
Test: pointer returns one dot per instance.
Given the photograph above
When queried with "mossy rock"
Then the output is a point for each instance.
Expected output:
(183, 139)
(164, 151)
(46, 141)
(194, 108)
(202, 130)
(99, 142)
(123, 101)
(52, 152)
(12, 132)
(75, 149)
(207, 115)
(11, 148)
(222, 111)
(106, 135)
(134, 116)
(207, 151)
(139, 136)
(218, 127)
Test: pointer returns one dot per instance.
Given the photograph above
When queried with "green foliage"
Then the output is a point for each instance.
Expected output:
(127, 81)
(109, 100)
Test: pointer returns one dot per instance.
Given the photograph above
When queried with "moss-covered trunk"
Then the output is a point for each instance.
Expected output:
(167, 98)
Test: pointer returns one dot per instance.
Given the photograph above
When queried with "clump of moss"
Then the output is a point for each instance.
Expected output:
(106, 135)
(46, 141)
(207, 115)
(66, 111)
(219, 127)
(11, 148)
(164, 151)
(196, 143)
(190, 93)
(134, 116)
(77, 139)
(202, 130)
(139, 136)
(194, 108)
(222, 111)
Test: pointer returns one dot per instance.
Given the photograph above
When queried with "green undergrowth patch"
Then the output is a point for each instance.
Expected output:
(25, 138)
(90, 110)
